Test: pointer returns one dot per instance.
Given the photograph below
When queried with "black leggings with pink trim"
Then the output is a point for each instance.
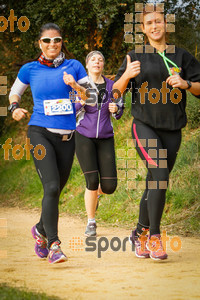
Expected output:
(97, 161)
(158, 150)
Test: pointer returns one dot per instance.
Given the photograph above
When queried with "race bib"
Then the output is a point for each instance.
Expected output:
(58, 107)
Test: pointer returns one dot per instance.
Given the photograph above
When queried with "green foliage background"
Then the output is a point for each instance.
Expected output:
(86, 25)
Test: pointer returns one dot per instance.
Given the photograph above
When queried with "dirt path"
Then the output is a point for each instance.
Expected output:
(116, 275)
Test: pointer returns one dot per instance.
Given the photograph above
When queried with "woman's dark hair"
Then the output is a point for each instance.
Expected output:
(48, 26)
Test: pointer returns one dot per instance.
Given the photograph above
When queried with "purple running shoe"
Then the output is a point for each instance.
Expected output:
(140, 243)
(55, 253)
(155, 246)
(41, 243)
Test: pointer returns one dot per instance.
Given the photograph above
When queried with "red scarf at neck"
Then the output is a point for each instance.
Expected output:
(44, 61)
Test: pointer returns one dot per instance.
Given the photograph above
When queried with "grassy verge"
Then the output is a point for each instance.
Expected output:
(21, 186)
(11, 293)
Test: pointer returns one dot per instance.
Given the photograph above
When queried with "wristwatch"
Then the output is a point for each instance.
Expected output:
(189, 84)
(13, 106)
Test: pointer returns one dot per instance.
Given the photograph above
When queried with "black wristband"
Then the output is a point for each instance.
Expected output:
(189, 84)
(13, 106)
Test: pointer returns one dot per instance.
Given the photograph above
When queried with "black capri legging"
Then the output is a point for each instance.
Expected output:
(97, 158)
(53, 170)
(158, 150)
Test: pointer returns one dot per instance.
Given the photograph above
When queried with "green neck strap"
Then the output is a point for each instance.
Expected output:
(165, 59)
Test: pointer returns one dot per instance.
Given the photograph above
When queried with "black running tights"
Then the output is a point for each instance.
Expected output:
(53, 170)
(158, 150)
(97, 159)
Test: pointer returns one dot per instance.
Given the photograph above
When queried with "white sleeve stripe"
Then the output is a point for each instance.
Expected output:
(18, 88)
(86, 78)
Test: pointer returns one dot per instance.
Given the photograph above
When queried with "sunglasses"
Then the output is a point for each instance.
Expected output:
(48, 40)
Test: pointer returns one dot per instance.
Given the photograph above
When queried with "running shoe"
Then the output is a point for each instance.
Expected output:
(41, 243)
(55, 253)
(140, 244)
(155, 247)
(91, 229)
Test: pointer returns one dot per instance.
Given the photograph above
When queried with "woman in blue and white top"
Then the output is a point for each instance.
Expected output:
(51, 125)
